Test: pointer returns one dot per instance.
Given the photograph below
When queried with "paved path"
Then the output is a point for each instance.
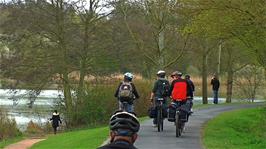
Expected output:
(149, 138)
(24, 144)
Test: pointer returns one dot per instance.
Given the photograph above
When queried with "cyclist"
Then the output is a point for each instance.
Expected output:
(180, 89)
(191, 84)
(160, 90)
(126, 93)
(123, 131)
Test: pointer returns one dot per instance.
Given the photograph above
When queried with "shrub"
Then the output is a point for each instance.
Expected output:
(8, 127)
(34, 129)
(99, 102)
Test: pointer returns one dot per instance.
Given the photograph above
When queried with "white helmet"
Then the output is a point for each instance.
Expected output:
(128, 75)
(160, 72)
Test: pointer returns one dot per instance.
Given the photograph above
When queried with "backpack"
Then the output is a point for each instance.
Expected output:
(165, 89)
(125, 91)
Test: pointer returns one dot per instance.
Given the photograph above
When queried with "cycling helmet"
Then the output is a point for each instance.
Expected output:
(187, 76)
(128, 76)
(161, 73)
(176, 73)
(124, 121)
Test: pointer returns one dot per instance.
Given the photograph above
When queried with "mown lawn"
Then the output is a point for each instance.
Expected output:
(10, 141)
(240, 129)
(81, 139)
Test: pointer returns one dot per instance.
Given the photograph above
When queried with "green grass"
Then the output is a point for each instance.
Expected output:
(81, 139)
(10, 141)
(240, 129)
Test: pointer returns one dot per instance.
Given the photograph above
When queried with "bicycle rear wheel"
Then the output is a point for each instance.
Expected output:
(161, 118)
(159, 124)
(177, 125)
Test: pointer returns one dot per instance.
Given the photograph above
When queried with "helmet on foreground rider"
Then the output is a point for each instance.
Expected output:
(123, 130)
(161, 73)
(124, 126)
(124, 123)
(128, 76)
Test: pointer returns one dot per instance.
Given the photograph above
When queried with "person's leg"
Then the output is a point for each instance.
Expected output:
(155, 119)
(130, 107)
(120, 105)
(54, 129)
(215, 97)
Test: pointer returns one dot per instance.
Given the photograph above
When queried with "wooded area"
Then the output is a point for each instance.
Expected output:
(43, 42)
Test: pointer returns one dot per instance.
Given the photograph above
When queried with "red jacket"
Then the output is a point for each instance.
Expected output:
(180, 90)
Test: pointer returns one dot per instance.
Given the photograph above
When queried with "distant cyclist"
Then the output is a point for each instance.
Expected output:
(180, 89)
(124, 127)
(160, 89)
(192, 86)
(126, 93)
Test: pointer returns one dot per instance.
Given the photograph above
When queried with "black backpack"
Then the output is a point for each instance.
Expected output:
(165, 88)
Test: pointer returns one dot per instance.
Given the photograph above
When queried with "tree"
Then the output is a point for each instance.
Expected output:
(165, 48)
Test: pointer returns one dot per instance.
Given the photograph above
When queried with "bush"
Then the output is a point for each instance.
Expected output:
(34, 129)
(99, 102)
(8, 127)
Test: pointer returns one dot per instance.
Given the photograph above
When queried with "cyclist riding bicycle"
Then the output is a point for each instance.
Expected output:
(160, 90)
(191, 84)
(126, 93)
(180, 89)
(123, 131)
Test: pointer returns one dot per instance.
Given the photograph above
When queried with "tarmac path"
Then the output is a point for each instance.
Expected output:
(149, 138)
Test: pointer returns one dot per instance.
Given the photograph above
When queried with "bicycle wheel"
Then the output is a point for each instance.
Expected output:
(177, 125)
(159, 118)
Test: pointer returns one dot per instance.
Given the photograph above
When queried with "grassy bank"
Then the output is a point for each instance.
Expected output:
(90, 138)
(81, 139)
(240, 129)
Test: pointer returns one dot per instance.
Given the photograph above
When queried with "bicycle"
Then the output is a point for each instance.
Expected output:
(180, 119)
(159, 108)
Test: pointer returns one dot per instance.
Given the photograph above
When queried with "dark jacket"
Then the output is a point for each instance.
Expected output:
(158, 88)
(134, 90)
(215, 84)
(118, 145)
(55, 120)
(191, 84)
(180, 89)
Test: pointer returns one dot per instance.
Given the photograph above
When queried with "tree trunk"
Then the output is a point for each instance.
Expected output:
(204, 80)
(230, 75)
(229, 86)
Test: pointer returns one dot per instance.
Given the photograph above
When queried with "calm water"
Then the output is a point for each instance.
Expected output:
(16, 103)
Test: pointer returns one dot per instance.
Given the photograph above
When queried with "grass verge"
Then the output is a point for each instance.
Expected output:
(5, 143)
(81, 139)
(240, 129)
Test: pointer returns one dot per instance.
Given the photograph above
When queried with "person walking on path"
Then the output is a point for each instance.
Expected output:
(215, 88)
(160, 89)
(126, 93)
(55, 120)
(124, 127)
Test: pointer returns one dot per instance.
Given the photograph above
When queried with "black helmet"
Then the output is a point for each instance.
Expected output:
(161, 73)
(124, 121)
(176, 73)
(187, 76)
